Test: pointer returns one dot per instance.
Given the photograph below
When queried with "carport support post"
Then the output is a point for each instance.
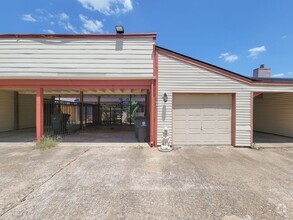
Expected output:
(99, 102)
(39, 113)
(81, 110)
(152, 114)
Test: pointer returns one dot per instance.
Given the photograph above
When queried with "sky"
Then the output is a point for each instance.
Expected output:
(235, 35)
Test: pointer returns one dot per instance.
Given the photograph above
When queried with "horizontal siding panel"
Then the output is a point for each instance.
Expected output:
(69, 61)
(59, 51)
(18, 47)
(73, 70)
(59, 75)
(76, 58)
(84, 66)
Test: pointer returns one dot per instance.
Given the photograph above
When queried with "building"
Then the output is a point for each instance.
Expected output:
(206, 105)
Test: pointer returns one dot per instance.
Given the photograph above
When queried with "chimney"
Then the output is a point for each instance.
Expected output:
(262, 72)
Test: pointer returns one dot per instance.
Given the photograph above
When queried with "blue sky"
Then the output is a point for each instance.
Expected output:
(235, 35)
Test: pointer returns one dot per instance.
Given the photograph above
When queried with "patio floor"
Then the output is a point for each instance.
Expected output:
(103, 134)
(90, 135)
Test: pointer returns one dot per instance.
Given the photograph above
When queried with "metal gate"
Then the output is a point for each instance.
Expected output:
(63, 117)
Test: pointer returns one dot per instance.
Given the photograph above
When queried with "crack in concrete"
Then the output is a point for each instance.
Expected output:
(33, 190)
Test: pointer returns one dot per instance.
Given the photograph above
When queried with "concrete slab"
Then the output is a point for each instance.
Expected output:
(265, 140)
(91, 136)
(15, 136)
(102, 134)
(143, 183)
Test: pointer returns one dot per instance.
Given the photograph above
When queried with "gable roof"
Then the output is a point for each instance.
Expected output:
(224, 72)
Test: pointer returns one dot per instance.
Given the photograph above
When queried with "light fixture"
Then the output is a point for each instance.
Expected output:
(165, 97)
(119, 29)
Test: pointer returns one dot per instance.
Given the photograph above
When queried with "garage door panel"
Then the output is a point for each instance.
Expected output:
(207, 119)
(224, 125)
(180, 118)
(193, 137)
(179, 138)
(180, 124)
(209, 138)
(193, 118)
(209, 124)
(194, 125)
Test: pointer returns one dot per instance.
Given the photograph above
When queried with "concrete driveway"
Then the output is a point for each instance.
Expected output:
(143, 183)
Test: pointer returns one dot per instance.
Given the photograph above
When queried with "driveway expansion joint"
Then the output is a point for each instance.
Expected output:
(33, 190)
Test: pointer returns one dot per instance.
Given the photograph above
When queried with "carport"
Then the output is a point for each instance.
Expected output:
(273, 119)
(99, 110)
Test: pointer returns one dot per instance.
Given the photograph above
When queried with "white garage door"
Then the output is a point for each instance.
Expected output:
(202, 119)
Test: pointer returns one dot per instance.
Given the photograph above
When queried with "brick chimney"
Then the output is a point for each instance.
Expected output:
(262, 72)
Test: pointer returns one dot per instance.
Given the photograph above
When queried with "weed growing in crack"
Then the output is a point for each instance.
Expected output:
(47, 143)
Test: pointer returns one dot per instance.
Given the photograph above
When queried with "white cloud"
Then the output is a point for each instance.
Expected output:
(108, 7)
(283, 75)
(28, 17)
(63, 16)
(69, 27)
(284, 36)
(91, 25)
(278, 75)
(254, 52)
(230, 58)
(49, 31)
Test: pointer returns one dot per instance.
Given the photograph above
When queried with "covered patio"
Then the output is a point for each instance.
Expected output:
(97, 111)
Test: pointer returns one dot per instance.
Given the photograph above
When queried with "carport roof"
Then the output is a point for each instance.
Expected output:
(222, 71)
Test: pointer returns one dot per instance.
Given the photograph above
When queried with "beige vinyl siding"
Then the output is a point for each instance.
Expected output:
(76, 58)
(273, 113)
(26, 111)
(6, 111)
(243, 119)
(180, 77)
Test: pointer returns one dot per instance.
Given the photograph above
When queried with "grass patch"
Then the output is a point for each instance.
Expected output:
(46, 143)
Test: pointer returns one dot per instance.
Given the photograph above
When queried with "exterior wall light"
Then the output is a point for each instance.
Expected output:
(165, 97)
(119, 29)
